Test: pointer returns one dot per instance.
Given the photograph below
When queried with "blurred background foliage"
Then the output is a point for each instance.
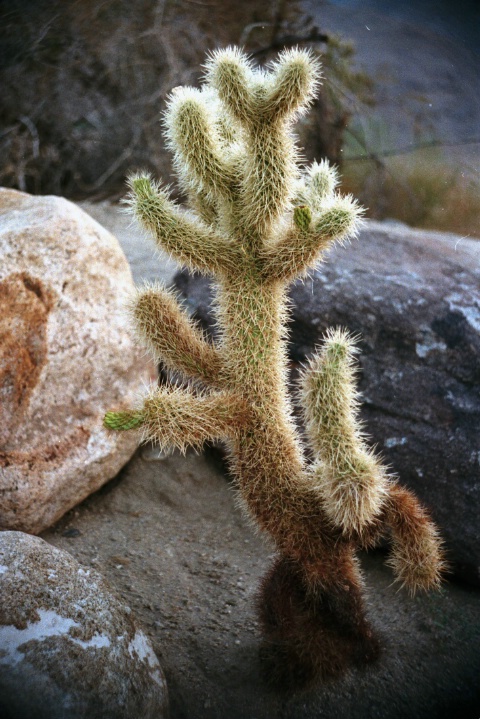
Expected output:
(84, 84)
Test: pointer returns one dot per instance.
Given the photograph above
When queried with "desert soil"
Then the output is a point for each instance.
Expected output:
(167, 535)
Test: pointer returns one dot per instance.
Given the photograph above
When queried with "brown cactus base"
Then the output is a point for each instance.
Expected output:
(310, 637)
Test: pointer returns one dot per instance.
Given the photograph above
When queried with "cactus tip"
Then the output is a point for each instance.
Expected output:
(302, 217)
(121, 421)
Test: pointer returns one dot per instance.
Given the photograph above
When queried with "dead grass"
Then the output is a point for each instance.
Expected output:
(84, 84)
(421, 189)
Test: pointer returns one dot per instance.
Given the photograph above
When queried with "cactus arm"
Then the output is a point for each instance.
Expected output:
(269, 167)
(180, 418)
(321, 181)
(292, 82)
(230, 73)
(351, 481)
(186, 238)
(265, 106)
(271, 158)
(196, 145)
(308, 237)
(417, 557)
(172, 337)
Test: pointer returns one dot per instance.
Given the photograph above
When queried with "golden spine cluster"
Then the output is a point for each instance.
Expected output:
(256, 221)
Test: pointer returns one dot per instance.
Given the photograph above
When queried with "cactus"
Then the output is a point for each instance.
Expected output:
(255, 222)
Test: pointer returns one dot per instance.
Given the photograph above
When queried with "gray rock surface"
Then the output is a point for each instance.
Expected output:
(148, 264)
(69, 649)
(168, 536)
(66, 357)
(413, 296)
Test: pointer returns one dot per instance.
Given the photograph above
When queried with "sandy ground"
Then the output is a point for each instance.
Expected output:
(168, 537)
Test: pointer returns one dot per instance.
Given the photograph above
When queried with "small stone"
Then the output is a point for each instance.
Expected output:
(72, 532)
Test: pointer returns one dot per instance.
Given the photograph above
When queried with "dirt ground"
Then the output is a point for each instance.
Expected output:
(168, 537)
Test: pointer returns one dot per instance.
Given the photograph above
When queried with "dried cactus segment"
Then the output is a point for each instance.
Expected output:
(417, 556)
(302, 628)
(352, 482)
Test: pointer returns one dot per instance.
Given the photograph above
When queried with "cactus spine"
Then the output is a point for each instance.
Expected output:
(256, 221)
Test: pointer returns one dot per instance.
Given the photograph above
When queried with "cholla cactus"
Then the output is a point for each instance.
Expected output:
(256, 221)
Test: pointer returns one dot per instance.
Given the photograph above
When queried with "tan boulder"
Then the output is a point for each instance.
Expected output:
(66, 357)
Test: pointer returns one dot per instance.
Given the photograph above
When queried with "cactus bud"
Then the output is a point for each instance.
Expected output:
(121, 421)
(302, 217)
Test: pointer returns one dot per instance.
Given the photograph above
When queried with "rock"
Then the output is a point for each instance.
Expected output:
(413, 298)
(68, 647)
(66, 357)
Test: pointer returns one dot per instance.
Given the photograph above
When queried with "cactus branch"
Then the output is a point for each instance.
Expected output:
(293, 83)
(197, 149)
(186, 238)
(310, 236)
(350, 479)
(172, 337)
(230, 73)
(269, 169)
(123, 421)
(321, 183)
(180, 418)
(292, 255)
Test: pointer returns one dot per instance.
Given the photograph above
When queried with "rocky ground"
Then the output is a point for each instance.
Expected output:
(168, 537)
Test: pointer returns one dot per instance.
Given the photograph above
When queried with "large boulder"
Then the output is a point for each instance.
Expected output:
(413, 297)
(68, 646)
(66, 356)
